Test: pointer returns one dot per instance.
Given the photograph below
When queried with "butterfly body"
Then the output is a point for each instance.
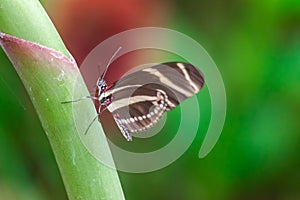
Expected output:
(139, 100)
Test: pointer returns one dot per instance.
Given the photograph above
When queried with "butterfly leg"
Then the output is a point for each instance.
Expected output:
(76, 100)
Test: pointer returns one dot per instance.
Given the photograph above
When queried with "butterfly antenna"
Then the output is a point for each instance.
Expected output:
(98, 69)
(110, 61)
(86, 131)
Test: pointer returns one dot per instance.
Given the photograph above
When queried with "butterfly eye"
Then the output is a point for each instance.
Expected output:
(100, 83)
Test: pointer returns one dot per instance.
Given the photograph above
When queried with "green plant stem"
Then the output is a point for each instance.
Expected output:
(49, 79)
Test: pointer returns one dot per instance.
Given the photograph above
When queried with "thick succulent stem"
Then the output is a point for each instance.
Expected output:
(50, 74)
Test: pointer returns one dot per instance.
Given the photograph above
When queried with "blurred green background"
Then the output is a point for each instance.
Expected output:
(255, 44)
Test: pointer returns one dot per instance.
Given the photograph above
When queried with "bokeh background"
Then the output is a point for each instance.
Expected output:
(256, 45)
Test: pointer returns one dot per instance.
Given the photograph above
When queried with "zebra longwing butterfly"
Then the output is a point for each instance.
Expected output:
(138, 100)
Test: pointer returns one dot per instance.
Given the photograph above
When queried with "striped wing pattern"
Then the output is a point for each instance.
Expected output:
(141, 98)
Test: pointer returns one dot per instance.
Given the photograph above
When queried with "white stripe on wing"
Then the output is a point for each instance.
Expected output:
(187, 76)
(167, 82)
(127, 101)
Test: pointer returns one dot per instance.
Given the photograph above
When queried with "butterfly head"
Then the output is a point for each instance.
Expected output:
(101, 84)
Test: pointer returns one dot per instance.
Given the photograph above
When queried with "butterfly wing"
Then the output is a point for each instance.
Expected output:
(140, 99)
